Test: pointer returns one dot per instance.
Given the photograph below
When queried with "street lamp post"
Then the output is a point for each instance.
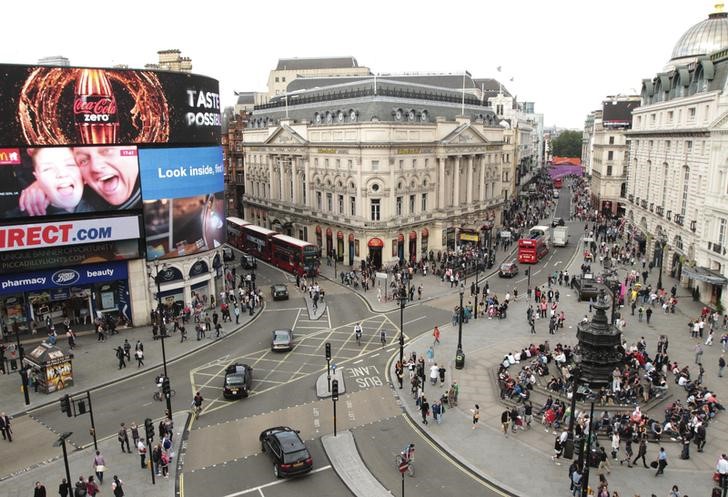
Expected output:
(585, 468)
(162, 332)
(23, 371)
(662, 242)
(569, 445)
(477, 289)
(459, 356)
(402, 303)
(62, 443)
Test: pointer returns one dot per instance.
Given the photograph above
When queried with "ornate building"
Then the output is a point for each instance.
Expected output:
(387, 168)
(678, 176)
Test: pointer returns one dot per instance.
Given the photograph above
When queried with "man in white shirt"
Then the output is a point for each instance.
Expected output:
(722, 469)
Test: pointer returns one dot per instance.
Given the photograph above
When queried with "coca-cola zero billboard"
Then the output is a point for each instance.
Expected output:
(43, 105)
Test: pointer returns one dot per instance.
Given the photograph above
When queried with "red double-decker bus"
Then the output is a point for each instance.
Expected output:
(235, 231)
(294, 255)
(534, 246)
(257, 241)
(558, 182)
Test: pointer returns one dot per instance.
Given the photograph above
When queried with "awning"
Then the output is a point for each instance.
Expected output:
(339, 235)
(704, 274)
(469, 237)
(351, 237)
(413, 235)
(375, 243)
(318, 230)
(329, 232)
(425, 233)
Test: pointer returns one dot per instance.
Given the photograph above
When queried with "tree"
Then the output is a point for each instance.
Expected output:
(567, 144)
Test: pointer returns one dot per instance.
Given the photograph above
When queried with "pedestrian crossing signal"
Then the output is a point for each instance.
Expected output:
(166, 389)
(66, 405)
(335, 390)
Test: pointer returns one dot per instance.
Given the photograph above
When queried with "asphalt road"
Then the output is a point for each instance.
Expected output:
(283, 382)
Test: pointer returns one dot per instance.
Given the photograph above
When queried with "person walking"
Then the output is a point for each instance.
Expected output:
(80, 488)
(91, 487)
(603, 462)
(698, 352)
(721, 468)
(424, 409)
(476, 414)
(39, 490)
(157, 458)
(434, 373)
(721, 366)
(641, 453)
(99, 465)
(661, 462)
(120, 355)
(5, 429)
(64, 489)
(117, 487)
(123, 437)
(505, 421)
(436, 334)
(142, 451)
(164, 463)
(628, 452)
(139, 355)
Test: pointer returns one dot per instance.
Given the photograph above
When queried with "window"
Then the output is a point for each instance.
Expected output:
(686, 180)
(341, 204)
(375, 209)
(338, 163)
(609, 170)
(375, 165)
(611, 140)
(665, 171)
(689, 146)
(412, 204)
(424, 203)
(721, 232)
(350, 163)
(669, 116)
(401, 163)
(414, 163)
(318, 200)
(668, 144)
(691, 114)
(610, 155)
(652, 118)
(427, 163)
(329, 202)
(315, 162)
(303, 184)
(277, 79)
(398, 206)
(283, 78)
(352, 205)
(326, 163)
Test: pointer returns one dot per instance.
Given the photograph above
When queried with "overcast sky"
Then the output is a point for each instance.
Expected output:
(565, 55)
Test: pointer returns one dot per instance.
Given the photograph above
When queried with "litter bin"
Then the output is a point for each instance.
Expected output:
(569, 449)
(459, 359)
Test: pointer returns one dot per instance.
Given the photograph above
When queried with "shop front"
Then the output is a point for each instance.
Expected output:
(424, 236)
(329, 242)
(35, 300)
(468, 236)
(375, 245)
(413, 246)
(351, 249)
(339, 246)
(319, 238)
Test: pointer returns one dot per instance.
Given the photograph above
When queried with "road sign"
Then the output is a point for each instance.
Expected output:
(381, 276)
(403, 467)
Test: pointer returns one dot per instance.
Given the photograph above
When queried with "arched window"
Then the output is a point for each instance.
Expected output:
(665, 169)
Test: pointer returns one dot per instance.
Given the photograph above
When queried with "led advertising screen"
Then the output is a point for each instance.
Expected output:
(184, 210)
(44, 105)
(68, 180)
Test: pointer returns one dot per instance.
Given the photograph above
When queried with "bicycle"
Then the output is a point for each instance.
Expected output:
(158, 395)
(196, 410)
(410, 466)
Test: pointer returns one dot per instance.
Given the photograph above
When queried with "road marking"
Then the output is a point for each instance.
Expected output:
(413, 320)
(357, 362)
(266, 485)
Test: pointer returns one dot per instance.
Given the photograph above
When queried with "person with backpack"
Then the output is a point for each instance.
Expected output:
(80, 490)
(117, 487)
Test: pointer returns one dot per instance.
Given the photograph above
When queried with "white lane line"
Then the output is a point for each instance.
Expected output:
(356, 362)
(276, 482)
(413, 320)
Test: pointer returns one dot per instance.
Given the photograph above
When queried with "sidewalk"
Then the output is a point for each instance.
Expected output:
(432, 286)
(95, 363)
(127, 467)
(509, 461)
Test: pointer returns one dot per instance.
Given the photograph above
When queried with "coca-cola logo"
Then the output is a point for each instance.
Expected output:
(98, 105)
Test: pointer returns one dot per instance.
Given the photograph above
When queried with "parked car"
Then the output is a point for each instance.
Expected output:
(238, 381)
(289, 454)
(508, 270)
(282, 339)
(248, 262)
(279, 292)
(557, 221)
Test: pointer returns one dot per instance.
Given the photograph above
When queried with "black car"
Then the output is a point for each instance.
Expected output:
(288, 452)
(238, 381)
(282, 339)
(557, 221)
(248, 262)
(508, 270)
(279, 292)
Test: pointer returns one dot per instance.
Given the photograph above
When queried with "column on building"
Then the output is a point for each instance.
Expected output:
(294, 171)
(469, 185)
(441, 180)
(269, 160)
(456, 182)
(307, 179)
(281, 175)
(481, 181)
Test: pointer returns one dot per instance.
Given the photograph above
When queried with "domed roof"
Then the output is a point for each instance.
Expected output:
(705, 37)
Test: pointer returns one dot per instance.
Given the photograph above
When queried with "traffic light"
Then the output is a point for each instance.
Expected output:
(334, 390)
(149, 428)
(66, 405)
(252, 277)
(328, 351)
(166, 390)
(528, 272)
(81, 406)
